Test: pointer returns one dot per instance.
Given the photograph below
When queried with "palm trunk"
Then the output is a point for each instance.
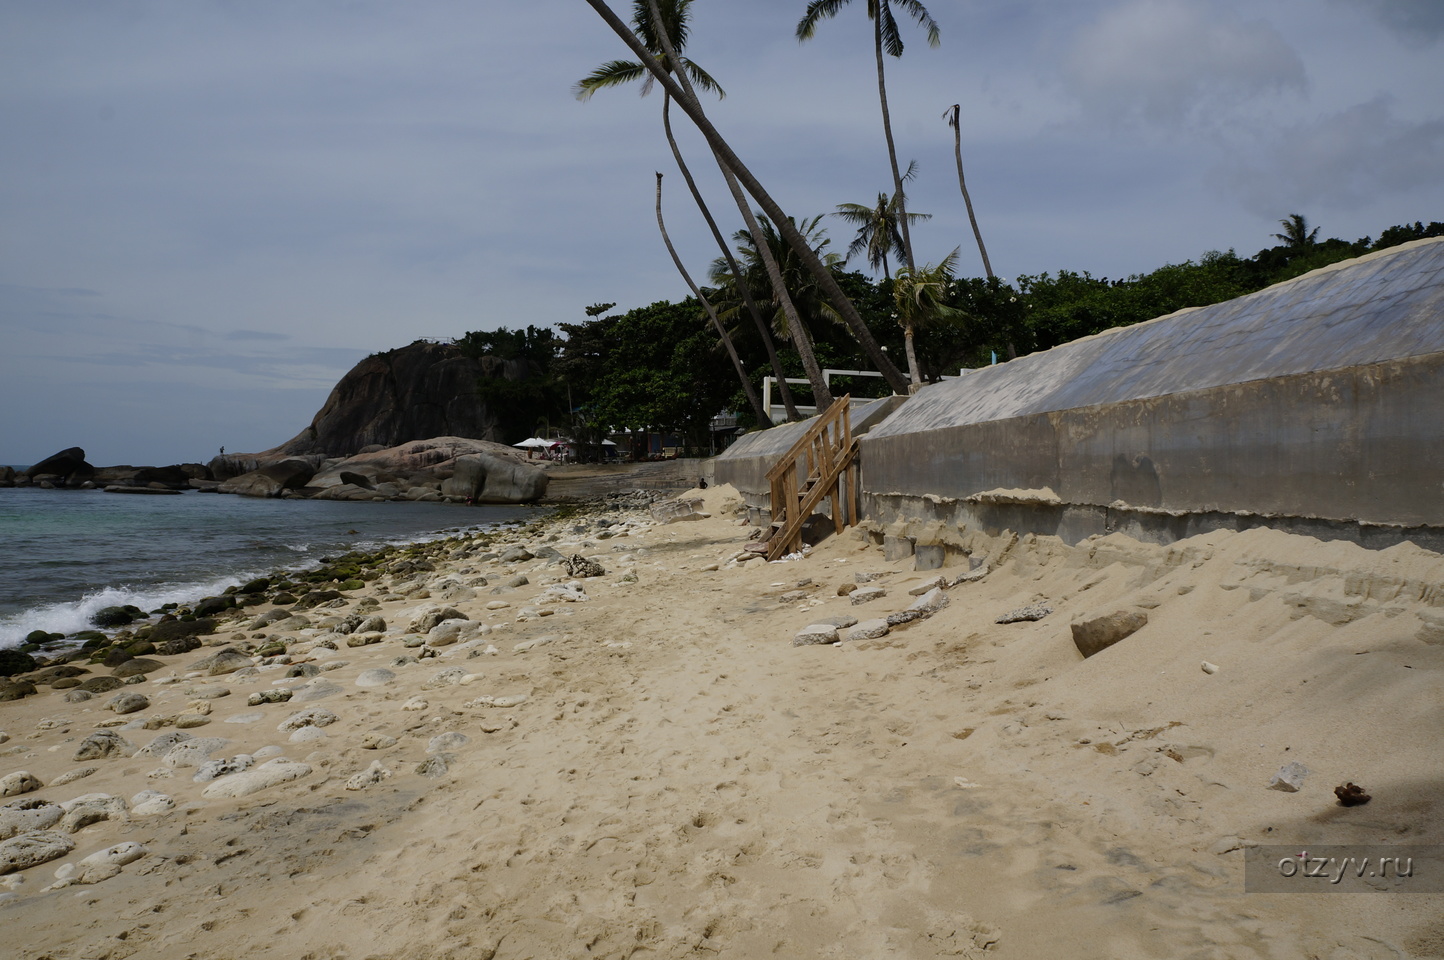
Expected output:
(912, 358)
(747, 387)
(963, 185)
(777, 372)
(692, 107)
(897, 185)
(799, 334)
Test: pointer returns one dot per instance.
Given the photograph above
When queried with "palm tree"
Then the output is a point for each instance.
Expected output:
(1297, 236)
(951, 115)
(807, 296)
(674, 17)
(918, 295)
(738, 171)
(878, 233)
(747, 388)
(886, 36)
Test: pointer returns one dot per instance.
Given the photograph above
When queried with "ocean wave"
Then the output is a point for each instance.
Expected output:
(72, 617)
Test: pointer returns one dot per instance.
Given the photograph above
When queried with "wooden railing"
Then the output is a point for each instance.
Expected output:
(821, 464)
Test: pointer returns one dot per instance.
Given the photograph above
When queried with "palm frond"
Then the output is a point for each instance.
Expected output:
(817, 11)
(613, 73)
(919, 13)
(702, 80)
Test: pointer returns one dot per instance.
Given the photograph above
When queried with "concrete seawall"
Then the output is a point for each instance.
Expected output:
(1315, 406)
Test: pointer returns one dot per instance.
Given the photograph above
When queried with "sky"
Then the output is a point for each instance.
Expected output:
(210, 210)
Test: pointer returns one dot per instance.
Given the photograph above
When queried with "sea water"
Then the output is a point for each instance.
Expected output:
(64, 554)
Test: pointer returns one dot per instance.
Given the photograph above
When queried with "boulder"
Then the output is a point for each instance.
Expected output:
(15, 689)
(271, 480)
(27, 814)
(14, 662)
(226, 661)
(32, 849)
(179, 629)
(104, 743)
(484, 478)
(1100, 633)
(66, 468)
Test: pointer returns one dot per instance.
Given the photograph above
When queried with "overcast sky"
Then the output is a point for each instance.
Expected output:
(211, 209)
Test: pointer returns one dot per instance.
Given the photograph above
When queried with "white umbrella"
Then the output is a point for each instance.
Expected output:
(533, 442)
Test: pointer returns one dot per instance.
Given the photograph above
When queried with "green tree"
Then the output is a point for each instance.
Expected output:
(879, 226)
(886, 37)
(652, 368)
(1297, 235)
(921, 297)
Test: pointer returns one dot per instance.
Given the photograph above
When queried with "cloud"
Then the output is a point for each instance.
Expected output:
(1416, 21)
(1169, 61)
(1347, 159)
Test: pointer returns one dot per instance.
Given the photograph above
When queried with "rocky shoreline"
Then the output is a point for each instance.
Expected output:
(441, 469)
(618, 732)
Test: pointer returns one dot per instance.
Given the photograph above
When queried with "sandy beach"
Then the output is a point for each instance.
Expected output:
(641, 763)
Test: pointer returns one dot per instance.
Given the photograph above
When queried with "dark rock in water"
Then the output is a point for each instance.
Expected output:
(272, 480)
(175, 476)
(40, 637)
(13, 662)
(177, 629)
(258, 585)
(66, 468)
(112, 617)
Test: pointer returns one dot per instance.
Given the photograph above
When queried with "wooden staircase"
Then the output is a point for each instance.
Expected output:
(821, 464)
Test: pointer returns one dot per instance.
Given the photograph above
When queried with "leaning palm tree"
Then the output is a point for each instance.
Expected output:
(951, 115)
(747, 388)
(878, 226)
(737, 172)
(918, 297)
(886, 36)
(674, 21)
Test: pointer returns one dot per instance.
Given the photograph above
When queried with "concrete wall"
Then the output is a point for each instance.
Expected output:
(1315, 405)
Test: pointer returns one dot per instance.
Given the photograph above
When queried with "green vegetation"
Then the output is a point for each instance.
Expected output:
(662, 367)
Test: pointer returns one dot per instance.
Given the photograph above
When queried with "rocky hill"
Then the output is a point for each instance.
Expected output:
(422, 390)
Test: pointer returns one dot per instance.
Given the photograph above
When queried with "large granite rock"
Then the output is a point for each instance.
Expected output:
(271, 480)
(421, 390)
(488, 479)
(66, 468)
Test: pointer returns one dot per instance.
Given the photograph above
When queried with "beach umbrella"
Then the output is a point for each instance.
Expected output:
(533, 442)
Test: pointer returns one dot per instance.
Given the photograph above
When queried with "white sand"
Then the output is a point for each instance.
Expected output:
(680, 780)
